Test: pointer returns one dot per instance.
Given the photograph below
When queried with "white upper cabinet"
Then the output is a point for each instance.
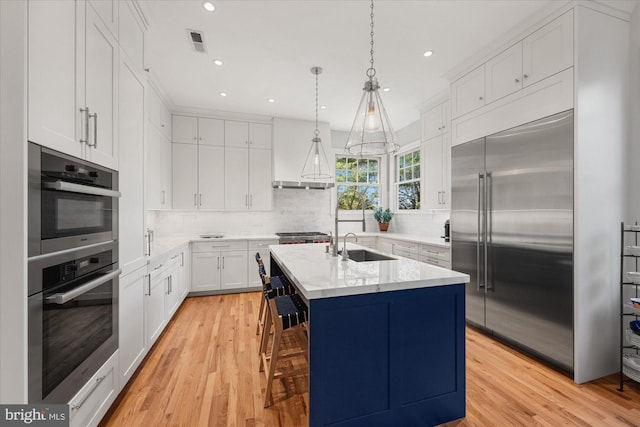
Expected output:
(101, 64)
(185, 130)
(243, 134)
(503, 74)
(185, 176)
(549, 50)
(210, 131)
(437, 169)
(236, 179)
(131, 34)
(72, 79)
(468, 92)
(211, 167)
(260, 190)
(435, 121)
(198, 130)
(54, 119)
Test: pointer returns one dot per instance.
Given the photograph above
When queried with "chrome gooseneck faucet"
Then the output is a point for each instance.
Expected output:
(345, 254)
(335, 236)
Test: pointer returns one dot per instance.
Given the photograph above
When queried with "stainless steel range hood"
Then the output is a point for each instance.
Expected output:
(303, 185)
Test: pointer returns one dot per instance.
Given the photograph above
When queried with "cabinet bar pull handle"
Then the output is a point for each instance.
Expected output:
(250, 200)
(246, 200)
(163, 198)
(526, 76)
(86, 396)
(223, 263)
(95, 130)
(85, 111)
(218, 263)
(517, 80)
(195, 199)
(200, 199)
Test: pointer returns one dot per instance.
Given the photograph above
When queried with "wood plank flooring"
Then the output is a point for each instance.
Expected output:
(203, 371)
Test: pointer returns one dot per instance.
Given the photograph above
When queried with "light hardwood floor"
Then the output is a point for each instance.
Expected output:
(203, 371)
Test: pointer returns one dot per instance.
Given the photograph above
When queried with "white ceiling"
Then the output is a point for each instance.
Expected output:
(269, 46)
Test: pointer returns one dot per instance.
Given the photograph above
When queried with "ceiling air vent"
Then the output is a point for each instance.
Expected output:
(197, 40)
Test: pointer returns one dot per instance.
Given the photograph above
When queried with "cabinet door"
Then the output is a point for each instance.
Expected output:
(184, 168)
(236, 134)
(211, 131)
(54, 119)
(467, 93)
(185, 130)
(433, 157)
(211, 177)
(154, 308)
(167, 176)
(260, 135)
(101, 65)
(260, 189)
(236, 179)
(433, 122)
(131, 322)
(131, 34)
(503, 74)
(205, 271)
(154, 168)
(549, 50)
(174, 298)
(234, 269)
(131, 173)
(184, 274)
(446, 171)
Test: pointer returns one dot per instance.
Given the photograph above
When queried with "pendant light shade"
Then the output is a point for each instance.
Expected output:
(316, 165)
(371, 132)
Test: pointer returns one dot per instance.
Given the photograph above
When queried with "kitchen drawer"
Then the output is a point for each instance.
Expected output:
(435, 261)
(259, 245)
(94, 399)
(221, 245)
(405, 252)
(435, 252)
(160, 265)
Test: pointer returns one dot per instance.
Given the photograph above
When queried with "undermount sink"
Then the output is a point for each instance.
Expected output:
(362, 255)
(211, 236)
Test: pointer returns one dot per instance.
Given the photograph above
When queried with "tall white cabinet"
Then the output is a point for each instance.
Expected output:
(436, 156)
(72, 106)
(198, 163)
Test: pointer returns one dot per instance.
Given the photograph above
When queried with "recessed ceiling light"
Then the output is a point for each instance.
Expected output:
(217, 62)
(428, 53)
(271, 100)
(386, 89)
(323, 107)
(208, 5)
(223, 93)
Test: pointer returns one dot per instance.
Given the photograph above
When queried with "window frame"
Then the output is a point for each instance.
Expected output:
(378, 184)
(409, 148)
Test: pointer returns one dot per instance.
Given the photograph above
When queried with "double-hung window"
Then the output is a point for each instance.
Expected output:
(408, 180)
(358, 175)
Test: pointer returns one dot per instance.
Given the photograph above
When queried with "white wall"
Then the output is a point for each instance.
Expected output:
(13, 190)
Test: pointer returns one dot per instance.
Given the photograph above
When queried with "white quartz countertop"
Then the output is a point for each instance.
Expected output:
(317, 274)
(407, 237)
(163, 245)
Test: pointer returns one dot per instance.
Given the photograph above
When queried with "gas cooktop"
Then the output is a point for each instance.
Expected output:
(303, 237)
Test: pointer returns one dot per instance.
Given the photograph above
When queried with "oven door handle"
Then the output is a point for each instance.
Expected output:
(68, 296)
(78, 188)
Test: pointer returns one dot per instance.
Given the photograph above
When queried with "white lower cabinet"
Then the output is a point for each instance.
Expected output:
(435, 255)
(131, 319)
(261, 247)
(424, 252)
(218, 265)
(89, 405)
(154, 305)
(173, 297)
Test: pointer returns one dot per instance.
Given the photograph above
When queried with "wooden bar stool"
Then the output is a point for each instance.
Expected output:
(287, 312)
(271, 286)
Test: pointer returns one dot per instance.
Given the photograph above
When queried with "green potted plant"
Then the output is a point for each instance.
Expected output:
(383, 216)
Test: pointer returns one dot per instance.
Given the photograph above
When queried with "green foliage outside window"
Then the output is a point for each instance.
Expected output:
(358, 175)
(408, 180)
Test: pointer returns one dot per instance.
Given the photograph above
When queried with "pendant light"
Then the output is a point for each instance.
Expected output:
(371, 133)
(316, 165)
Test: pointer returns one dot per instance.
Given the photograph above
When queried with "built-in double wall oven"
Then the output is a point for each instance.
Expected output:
(72, 272)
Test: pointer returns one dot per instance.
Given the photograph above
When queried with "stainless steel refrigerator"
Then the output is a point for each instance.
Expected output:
(512, 232)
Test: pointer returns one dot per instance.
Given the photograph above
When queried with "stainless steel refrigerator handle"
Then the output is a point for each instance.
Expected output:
(485, 232)
(68, 296)
(478, 286)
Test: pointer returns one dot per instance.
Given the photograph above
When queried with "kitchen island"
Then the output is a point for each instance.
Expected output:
(386, 338)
